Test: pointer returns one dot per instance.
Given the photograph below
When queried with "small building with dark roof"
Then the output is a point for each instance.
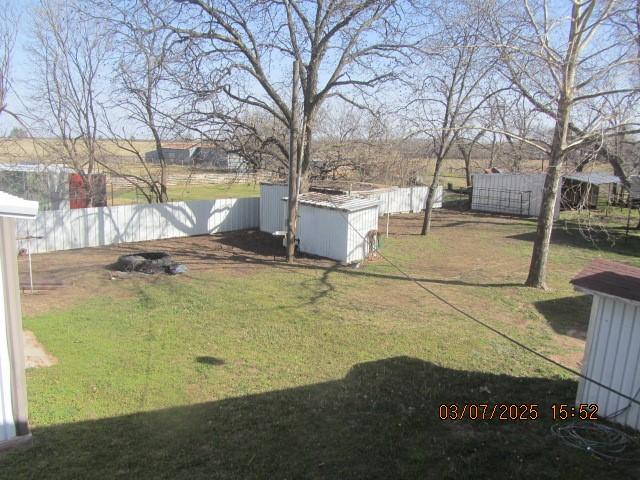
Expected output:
(612, 350)
(198, 156)
(589, 190)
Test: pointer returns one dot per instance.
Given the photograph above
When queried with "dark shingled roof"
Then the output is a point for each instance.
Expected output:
(611, 278)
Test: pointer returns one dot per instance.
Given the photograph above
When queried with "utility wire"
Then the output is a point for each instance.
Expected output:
(485, 324)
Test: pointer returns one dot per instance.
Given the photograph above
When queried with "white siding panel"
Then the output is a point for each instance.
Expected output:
(7, 423)
(510, 193)
(90, 227)
(612, 357)
(336, 234)
(634, 180)
(323, 232)
(362, 222)
(273, 211)
(403, 199)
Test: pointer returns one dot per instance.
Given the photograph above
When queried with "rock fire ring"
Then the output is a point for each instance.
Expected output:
(149, 262)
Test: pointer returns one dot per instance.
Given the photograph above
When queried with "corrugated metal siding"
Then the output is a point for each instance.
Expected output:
(403, 199)
(323, 232)
(507, 193)
(273, 211)
(7, 424)
(362, 222)
(612, 357)
(92, 227)
(635, 186)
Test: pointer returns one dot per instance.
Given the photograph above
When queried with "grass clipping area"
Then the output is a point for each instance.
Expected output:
(314, 372)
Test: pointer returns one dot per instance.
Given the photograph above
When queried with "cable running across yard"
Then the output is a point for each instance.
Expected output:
(598, 439)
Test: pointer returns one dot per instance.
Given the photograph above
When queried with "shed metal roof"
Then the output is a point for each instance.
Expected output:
(12, 206)
(593, 178)
(610, 278)
(35, 167)
(345, 203)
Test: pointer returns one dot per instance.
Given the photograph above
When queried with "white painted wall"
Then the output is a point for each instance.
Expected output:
(634, 180)
(273, 211)
(402, 199)
(92, 227)
(612, 356)
(362, 222)
(322, 232)
(325, 232)
(505, 191)
(7, 422)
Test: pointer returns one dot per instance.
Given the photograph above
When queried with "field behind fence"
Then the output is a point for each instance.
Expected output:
(92, 227)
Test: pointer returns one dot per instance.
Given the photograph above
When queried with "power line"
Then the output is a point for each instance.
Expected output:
(488, 326)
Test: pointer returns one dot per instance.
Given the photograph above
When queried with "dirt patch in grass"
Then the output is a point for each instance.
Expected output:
(87, 272)
(35, 354)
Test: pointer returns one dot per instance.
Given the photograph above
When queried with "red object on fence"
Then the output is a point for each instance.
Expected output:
(81, 196)
(78, 195)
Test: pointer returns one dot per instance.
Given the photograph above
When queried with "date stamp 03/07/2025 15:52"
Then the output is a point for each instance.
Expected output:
(516, 412)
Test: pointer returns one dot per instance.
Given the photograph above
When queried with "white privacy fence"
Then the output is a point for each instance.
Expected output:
(93, 227)
(54, 230)
(403, 199)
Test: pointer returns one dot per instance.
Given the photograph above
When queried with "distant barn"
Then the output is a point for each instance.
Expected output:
(198, 156)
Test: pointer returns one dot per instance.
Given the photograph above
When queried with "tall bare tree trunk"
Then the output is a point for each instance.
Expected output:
(540, 255)
(431, 197)
(538, 267)
(467, 168)
(293, 170)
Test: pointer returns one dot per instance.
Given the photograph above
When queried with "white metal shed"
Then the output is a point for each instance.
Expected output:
(14, 427)
(612, 351)
(510, 193)
(273, 212)
(402, 199)
(634, 191)
(338, 227)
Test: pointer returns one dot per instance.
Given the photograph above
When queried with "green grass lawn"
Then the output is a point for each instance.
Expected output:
(312, 372)
(194, 192)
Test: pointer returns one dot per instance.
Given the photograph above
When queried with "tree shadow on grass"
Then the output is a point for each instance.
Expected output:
(306, 262)
(567, 316)
(208, 360)
(610, 241)
(380, 421)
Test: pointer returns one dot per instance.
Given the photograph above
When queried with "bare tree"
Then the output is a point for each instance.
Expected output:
(231, 46)
(465, 147)
(7, 42)
(237, 55)
(69, 53)
(568, 68)
(143, 92)
(8, 32)
(447, 99)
